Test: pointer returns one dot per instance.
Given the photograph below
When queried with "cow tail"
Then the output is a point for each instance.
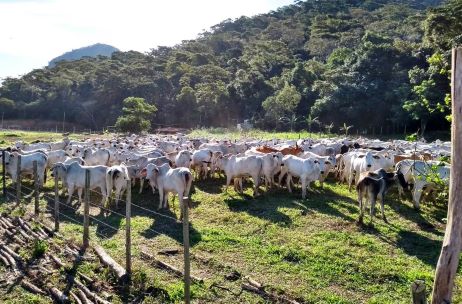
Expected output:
(109, 181)
(187, 182)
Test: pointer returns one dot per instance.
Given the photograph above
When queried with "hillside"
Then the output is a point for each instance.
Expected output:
(380, 66)
(94, 50)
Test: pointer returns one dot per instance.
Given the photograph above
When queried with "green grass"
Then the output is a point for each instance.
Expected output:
(312, 250)
(7, 138)
(221, 133)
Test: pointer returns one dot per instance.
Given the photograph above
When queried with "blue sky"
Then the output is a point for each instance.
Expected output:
(35, 31)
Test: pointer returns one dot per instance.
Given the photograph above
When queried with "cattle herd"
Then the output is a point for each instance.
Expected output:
(168, 163)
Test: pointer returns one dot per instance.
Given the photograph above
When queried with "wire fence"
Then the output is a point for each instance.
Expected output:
(60, 211)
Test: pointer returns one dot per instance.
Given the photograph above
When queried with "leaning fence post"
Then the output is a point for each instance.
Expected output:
(448, 262)
(187, 265)
(36, 188)
(418, 292)
(128, 240)
(86, 210)
(4, 174)
(56, 203)
(18, 180)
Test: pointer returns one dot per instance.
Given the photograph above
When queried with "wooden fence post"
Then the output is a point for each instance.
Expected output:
(86, 211)
(187, 265)
(4, 174)
(36, 189)
(418, 292)
(452, 243)
(18, 180)
(128, 240)
(56, 203)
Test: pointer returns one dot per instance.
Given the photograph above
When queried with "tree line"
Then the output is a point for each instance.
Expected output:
(337, 64)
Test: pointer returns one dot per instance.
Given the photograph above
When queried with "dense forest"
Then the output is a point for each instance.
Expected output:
(313, 64)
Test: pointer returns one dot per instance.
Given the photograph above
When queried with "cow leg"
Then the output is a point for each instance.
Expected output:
(417, 195)
(304, 185)
(228, 181)
(180, 199)
(166, 200)
(104, 195)
(373, 198)
(256, 181)
(350, 181)
(79, 192)
(161, 197)
(361, 206)
(141, 185)
(70, 191)
(382, 206)
(288, 181)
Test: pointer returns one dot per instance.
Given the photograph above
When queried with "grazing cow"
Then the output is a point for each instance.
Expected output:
(237, 167)
(422, 174)
(143, 161)
(70, 160)
(166, 180)
(373, 185)
(73, 177)
(183, 159)
(201, 159)
(307, 170)
(56, 156)
(117, 178)
(329, 162)
(359, 164)
(27, 165)
(271, 166)
(95, 158)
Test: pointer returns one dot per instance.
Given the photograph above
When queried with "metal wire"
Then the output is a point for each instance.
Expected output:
(154, 212)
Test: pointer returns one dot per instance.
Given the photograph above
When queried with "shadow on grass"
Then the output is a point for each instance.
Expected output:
(267, 205)
(408, 212)
(425, 249)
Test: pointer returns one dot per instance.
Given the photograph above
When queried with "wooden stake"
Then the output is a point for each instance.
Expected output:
(56, 204)
(187, 265)
(86, 210)
(36, 189)
(419, 295)
(18, 180)
(128, 240)
(452, 243)
(4, 174)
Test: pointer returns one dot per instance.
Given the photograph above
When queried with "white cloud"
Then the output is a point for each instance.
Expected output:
(38, 31)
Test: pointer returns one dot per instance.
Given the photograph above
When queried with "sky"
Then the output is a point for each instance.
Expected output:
(32, 32)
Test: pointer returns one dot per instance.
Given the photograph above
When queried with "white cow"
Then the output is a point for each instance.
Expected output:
(73, 177)
(308, 170)
(237, 167)
(417, 172)
(360, 163)
(166, 180)
(183, 159)
(117, 178)
(95, 158)
(27, 165)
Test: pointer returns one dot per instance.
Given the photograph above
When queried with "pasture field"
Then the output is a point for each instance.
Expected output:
(311, 250)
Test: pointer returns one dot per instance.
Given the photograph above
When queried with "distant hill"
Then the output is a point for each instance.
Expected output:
(94, 50)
